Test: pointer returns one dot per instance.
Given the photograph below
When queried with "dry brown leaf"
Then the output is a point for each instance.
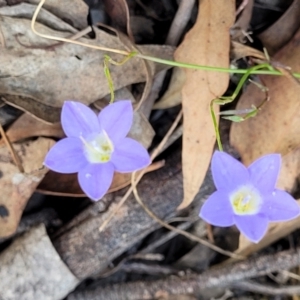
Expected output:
(239, 50)
(276, 128)
(43, 67)
(73, 11)
(119, 14)
(16, 188)
(289, 172)
(275, 232)
(207, 43)
(121, 94)
(33, 107)
(172, 96)
(26, 10)
(27, 126)
(67, 185)
(283, 30)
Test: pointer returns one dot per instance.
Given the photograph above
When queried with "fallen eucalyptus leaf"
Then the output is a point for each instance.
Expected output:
(172, 96)
(207, 44)
(276, 128)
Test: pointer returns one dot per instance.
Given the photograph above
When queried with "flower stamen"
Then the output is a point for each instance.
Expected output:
(245, 201)
(99, 148)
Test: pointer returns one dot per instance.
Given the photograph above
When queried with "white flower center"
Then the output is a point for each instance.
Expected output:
(246, 201)
(99, 148)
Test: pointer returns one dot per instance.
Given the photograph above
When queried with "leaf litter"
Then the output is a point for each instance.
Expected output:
(77, 74)
(17, 187)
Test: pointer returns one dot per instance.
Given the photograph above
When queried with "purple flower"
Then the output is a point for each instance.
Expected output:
(96, 146)
(247, 197)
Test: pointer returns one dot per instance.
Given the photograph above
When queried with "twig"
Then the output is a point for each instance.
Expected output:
(179, 231)
(241, 7)
(267, 289)
(12, 151)
(165, 238)
(181, 19)
(175, 136)
(189, 284)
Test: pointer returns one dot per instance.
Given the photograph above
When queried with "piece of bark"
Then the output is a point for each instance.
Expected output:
(193, 284)
(47, 216)
(87, 251)
(32, 269)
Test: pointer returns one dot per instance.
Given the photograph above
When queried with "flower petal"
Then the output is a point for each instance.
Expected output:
(228, 173)
(217, 210)
(280, 206)
(78, 119)
(264, 172)
(254, 227)
(95, 179)
(130, 156)
(66, 156)
(116, 119)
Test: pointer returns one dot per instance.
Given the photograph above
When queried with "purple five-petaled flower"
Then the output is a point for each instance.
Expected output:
(96, 146)
(247, 197)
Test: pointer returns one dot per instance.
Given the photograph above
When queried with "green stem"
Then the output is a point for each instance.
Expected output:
(209, 68)
(230, 99)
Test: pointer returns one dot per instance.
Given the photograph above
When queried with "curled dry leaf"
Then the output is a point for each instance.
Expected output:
(283, 30)
(238, 50)
(16, 188)
(119, 14)
(27, 126)
(172, 96)
(207, 43)
(58, 184)
(276, 128)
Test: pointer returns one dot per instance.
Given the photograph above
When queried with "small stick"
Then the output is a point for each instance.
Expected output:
(254, 287)
(179, 231)
(225, 276)
(12, 151)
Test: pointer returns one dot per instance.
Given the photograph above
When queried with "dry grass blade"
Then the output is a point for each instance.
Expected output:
(13, 153)
(179, 231)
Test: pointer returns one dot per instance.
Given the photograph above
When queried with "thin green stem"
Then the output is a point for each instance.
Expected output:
(216, 126)
(226, 100)
(209, 68)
